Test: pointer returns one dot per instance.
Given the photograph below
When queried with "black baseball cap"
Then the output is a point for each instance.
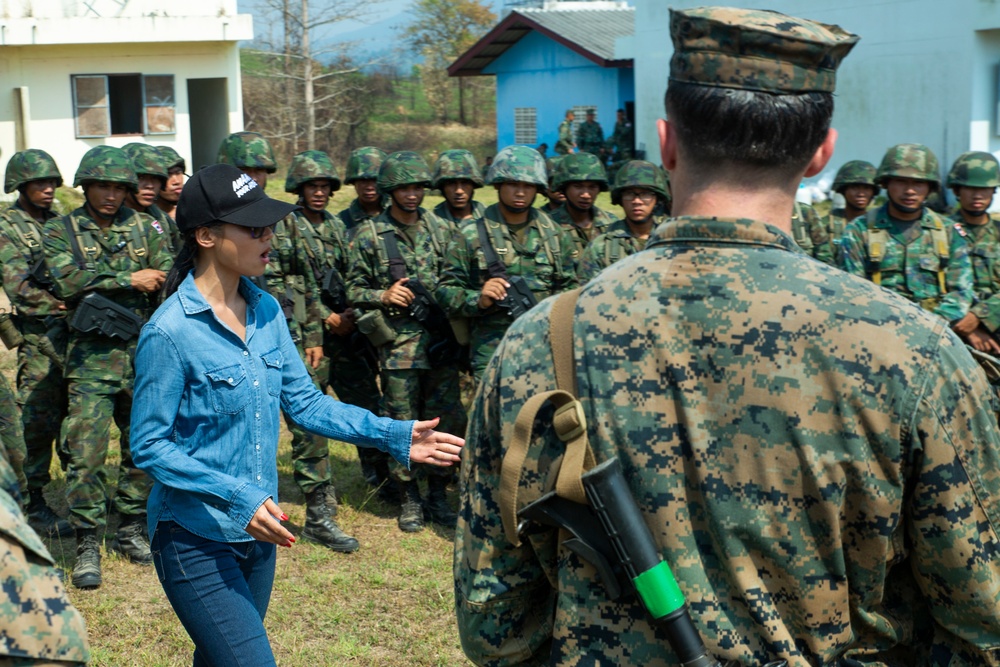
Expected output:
(223, 193)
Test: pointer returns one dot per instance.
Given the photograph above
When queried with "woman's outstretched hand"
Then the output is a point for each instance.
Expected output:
(434, 447)
(264, 525)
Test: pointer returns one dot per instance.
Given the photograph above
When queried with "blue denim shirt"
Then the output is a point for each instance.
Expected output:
(206, 412)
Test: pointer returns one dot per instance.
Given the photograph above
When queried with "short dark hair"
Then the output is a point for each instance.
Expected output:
(748, 130)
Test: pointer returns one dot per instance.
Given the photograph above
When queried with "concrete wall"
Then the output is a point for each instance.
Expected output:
(924, 71)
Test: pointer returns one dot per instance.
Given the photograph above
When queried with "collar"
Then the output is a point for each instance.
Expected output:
(741, 231)
(885, 221)
(193, 301)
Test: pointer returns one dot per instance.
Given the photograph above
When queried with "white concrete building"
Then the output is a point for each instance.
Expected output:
(80, 73)
(924, 71)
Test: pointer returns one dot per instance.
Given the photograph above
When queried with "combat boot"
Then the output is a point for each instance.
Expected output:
(87, 569)
(331, 499)
(43, 520)
(131, 542)
(321, 528)
(437, 506)
(411, 515)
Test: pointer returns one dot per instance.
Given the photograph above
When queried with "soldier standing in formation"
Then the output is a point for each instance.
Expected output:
(151, 170)
(565, 144)
(402, 246)
(27, 437)
(640, 188)
(809, 232)
(581, 177)
(171, 192)
(362, 173)
(590, 136)
(457, 176)
(103, 257)
(855, 182)
(527, 243)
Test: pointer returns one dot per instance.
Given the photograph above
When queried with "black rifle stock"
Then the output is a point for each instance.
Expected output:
(95, 313)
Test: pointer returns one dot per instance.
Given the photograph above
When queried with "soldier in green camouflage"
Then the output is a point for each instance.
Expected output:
(362, 172)
(565, 144)
(809, 232)
(554, 199)
(403, 245)
(105, 249)
(40, 626)
(621, 143)
(33, 174)
(906, 247)
(251, 153)
(974, 179)
(171, 192)
(640, 188)
(151, 170)
(821, 499)
(590, 136)
(855, 181)
(528, 243)
(581, 177)
(457, 176)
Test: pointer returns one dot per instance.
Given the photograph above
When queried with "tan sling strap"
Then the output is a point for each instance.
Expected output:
(568, 421)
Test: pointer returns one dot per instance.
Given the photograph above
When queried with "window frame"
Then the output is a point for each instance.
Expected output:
(144, 104)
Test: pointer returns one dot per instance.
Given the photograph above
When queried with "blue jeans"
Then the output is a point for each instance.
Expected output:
(220, 592)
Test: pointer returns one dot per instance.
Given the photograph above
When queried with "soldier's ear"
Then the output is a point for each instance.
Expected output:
(668, 143)
(822, 155)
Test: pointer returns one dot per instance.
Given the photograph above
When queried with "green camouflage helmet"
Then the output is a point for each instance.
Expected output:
(975, 169)
(146, 160)
(171, 158)
(550, 167)
(247, 150)
(577, 167)
(457, 165)
(518, 164)
(640, 174)
(311, 166)
(403, 168)
(30, 165)
(914, 161)
(364, 164)
(855, 172)
(106, 163)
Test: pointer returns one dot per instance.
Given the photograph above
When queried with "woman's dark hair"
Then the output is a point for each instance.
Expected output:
(748, 130)
(183, 263)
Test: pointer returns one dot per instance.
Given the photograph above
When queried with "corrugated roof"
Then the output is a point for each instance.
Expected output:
(589, 32)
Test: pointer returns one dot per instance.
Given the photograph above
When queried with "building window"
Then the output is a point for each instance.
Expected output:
(525, 126)
(110, 104)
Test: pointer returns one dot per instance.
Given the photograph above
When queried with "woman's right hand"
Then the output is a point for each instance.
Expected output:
(265, 526)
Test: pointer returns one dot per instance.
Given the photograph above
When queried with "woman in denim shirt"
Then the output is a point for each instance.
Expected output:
(215, 366)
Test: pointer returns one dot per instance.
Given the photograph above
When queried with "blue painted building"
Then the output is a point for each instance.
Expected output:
(549, 60)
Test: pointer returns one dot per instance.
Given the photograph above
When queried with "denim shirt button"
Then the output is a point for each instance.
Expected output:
(245, 353)
(230, 380)
(257, 415)
(256, 383)
(258, 478)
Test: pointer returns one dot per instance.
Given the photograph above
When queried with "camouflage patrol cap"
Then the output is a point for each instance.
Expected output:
(975, 169)
(311, 166)
(457, 165)
(640, 174)
(146, 159)
(914, 161)
(106, 163)
(403, 168)
(363, 164)
(577, 167)
(30, 165)
(171, 158)
(518, 164)
(247, 150)
(759, 50)
(855, 172)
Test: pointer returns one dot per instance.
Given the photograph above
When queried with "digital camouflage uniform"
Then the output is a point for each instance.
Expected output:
(363, 164)
(574, 169)
(40, 626)
(149, 160)
(618, 241)
(99, 370)
(457, 165)
(926, 260)
(542, 254)
(564, 145)
(590, 137)
(809, 231)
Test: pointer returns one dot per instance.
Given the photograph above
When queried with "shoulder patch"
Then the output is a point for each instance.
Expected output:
(961, 230)
(156, 225)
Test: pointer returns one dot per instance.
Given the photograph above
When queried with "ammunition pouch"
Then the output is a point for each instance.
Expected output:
(95, 313)
(374, 326)
(10, 334)
(333, 292)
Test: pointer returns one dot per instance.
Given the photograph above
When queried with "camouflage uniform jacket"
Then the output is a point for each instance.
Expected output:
(836, 223)
(590, 137)
(616, 242)
(816, 496)
(441, 211)
(352, 217)
(291, 280)
(910, 265)
(984, 252)
(581, 237)
(110, 257)
(621, 140)
(20, 251)
(565, 142)
(38, 621)
(810, 233)
(168, 226)
(370, 277)
(325, 249)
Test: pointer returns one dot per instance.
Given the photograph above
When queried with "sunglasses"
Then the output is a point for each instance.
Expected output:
(256, 232)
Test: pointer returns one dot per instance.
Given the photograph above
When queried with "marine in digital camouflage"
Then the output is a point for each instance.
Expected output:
(590, 136)
(247, 150)
(40, 625)
(809, 232)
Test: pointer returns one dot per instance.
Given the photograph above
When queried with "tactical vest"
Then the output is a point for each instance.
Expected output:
(29, 233)
(800, 232)
(383, 253)
(547, 229)
(87, 247)
(877, 240)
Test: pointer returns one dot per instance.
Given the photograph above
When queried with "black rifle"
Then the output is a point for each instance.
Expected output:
(96, 313)
(520, 299)
(610, 533)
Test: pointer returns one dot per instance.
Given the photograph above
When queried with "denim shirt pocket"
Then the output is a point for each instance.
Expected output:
(273, 362)
(230, 391)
